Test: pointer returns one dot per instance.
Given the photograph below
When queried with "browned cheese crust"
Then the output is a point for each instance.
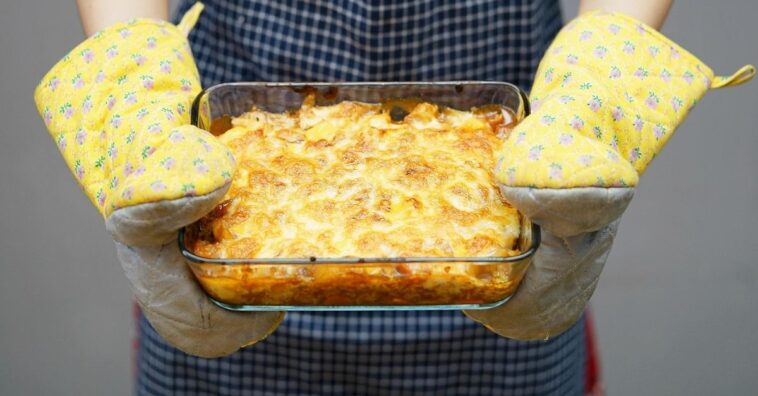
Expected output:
(348, 181)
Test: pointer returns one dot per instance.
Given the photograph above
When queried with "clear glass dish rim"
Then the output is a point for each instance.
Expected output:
(194, 116)
(536, 238)
(361, 308)
(194, 112)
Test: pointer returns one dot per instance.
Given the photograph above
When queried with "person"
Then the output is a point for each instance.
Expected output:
(363, 353)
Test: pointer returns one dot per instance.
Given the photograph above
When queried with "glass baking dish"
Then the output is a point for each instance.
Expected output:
(370, 283)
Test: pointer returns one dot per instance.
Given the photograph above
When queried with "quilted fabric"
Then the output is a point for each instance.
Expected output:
(607, 96)
(118, 107)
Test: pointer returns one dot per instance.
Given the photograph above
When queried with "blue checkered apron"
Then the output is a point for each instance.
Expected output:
(371, 353)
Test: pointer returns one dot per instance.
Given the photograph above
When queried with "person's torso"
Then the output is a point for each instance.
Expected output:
(373, 40)
(372, 353)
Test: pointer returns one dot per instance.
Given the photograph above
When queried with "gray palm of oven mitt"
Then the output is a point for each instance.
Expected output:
(578, 229)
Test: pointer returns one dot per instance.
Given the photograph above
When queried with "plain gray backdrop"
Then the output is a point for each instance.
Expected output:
(675, 309)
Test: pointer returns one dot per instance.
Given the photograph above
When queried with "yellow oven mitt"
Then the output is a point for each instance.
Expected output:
(118, 108)
(608, 95)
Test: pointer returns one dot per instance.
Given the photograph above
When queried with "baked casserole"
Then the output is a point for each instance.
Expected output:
(402, 178)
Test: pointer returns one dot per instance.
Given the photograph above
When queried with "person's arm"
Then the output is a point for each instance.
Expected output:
(652, 12)
(98, 14)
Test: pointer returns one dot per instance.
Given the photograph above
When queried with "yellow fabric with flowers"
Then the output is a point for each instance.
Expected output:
(608, 95)
(118, 108)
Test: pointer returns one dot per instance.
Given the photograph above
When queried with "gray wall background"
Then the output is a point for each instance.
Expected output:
(676, 307)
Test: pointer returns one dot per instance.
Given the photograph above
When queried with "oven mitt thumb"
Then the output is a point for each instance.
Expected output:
(608, 95)
(118, 108)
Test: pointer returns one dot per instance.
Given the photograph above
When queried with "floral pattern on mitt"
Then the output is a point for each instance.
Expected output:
(118, 107)
(608, 95)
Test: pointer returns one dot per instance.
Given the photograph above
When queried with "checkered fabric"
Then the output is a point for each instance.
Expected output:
(373, 40)
(371, 353)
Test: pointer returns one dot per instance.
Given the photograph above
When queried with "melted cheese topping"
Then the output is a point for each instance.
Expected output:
(348, 181)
